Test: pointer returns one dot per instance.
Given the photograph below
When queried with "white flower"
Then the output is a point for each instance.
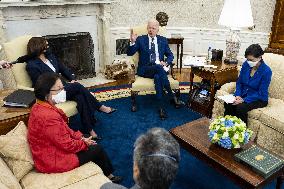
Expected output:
(236, 136)
(237, 146)
(222, 119)
(225, 134)
(215, 137)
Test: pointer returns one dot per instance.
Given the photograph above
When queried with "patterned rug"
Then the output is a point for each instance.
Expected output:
(120, 130)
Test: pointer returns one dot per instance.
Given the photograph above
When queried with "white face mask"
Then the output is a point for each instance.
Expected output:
(251, 63)
(59, 97)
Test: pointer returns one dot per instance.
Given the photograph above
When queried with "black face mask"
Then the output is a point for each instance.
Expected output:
(47, 52)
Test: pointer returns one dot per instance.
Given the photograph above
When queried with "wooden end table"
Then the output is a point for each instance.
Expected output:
(193, 137)
(224, 73)
(9, 116)
(179, 42)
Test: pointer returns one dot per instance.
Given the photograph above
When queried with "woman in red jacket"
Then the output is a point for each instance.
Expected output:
(55, 147)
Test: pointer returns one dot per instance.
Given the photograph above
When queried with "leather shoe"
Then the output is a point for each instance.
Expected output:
(177, 103)
(163, 114)
(116, 179)
(111, 110)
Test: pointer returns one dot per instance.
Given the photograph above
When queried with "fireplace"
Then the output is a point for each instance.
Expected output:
(75, 51)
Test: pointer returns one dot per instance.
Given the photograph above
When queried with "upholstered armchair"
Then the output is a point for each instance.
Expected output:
(139, 83)
(268, 122)
(18, 47)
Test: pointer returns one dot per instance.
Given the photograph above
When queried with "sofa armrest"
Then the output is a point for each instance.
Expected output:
(35, 180)
(229, 87)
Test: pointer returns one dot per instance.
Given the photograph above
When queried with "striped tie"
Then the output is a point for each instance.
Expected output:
(153, 52)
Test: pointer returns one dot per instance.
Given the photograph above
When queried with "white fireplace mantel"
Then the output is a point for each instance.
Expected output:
(52, 3)
(18, 18)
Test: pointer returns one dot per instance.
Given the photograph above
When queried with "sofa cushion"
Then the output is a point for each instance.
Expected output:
(35, 180)
(7, 179)
(146, 84)
(272, 115)
(16, 152)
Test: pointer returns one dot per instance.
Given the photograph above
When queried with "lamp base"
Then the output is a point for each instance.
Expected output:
(232, 61)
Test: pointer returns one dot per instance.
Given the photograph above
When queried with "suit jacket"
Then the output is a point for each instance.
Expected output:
(53, 144)
(35, 67)
(256, 87)
(142, 46)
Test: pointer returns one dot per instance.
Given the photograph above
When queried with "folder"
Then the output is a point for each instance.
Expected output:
(20, 98)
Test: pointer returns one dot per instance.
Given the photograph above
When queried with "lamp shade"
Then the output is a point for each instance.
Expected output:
(236, 14)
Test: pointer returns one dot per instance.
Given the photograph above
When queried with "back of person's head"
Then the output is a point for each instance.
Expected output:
(36, 45)
(156, 155)
(44, 83)
(254, 50)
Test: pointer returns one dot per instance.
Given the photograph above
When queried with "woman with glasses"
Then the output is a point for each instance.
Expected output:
(44, 62)
(55, 147)
(252, 84)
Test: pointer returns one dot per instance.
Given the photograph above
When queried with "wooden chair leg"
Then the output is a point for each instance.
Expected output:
(133, 101)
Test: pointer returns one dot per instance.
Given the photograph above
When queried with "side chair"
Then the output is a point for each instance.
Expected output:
(139, 83)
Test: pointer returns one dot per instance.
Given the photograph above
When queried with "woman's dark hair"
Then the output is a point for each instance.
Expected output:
(44, 84)
(36, 45)
(254, 50)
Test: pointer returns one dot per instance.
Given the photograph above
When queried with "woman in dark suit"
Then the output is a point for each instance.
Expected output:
(44, 62)
(252, 84)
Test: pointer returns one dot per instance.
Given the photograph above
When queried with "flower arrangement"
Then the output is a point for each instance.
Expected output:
(229, 132)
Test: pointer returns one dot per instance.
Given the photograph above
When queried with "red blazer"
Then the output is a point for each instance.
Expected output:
(53, 144)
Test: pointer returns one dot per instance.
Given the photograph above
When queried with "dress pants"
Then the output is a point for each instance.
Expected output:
(96, 154)
(161, 81)
(241, 110)
(87, 104)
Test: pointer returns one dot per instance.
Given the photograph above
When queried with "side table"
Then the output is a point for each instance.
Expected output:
(224, 73)
(178, 42)
(10, 116)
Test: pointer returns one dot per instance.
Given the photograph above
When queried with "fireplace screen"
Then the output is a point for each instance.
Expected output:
(75, 51)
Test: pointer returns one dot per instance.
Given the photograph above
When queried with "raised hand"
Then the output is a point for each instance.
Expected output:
(5, 64)
(133, 36)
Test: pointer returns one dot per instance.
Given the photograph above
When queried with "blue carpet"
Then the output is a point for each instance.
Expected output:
(120, 129)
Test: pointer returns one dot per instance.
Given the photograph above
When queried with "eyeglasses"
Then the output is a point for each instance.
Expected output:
(60, 89)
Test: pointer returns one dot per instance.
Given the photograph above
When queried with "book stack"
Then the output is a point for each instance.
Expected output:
(20, 98)
(260, 160)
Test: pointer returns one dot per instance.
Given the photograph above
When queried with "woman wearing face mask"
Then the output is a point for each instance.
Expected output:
(55, 147)
(44, 62)
(252, 84)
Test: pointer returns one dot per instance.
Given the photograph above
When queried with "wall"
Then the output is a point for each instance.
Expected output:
(195, 20)
(188, 13)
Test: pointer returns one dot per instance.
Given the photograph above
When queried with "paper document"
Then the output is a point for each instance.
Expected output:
(194, 61)
(229, 99)
(166, 68)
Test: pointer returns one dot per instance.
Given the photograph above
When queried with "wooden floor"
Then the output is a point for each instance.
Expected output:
(183, 77)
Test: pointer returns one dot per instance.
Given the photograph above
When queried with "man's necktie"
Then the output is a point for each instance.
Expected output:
(153, 52)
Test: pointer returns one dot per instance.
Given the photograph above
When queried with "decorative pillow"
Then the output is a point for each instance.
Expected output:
(7, 179)
(15, 151)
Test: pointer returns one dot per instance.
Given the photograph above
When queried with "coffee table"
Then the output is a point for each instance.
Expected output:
(193, 137)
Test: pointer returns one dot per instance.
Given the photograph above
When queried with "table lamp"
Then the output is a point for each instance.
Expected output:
(236, 14)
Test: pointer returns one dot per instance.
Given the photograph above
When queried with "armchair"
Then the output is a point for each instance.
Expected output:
(18, 47)
(268, 122)
(146, 84)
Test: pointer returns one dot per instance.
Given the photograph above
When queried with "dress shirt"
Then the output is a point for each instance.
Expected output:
(156, 48)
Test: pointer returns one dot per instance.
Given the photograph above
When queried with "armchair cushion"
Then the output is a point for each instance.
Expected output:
(89, 174)
(146, 84)
(19, 70)
(68, 107)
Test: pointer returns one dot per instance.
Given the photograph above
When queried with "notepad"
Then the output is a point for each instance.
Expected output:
(229, 99)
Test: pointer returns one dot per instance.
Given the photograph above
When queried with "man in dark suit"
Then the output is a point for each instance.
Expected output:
(152, 64)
